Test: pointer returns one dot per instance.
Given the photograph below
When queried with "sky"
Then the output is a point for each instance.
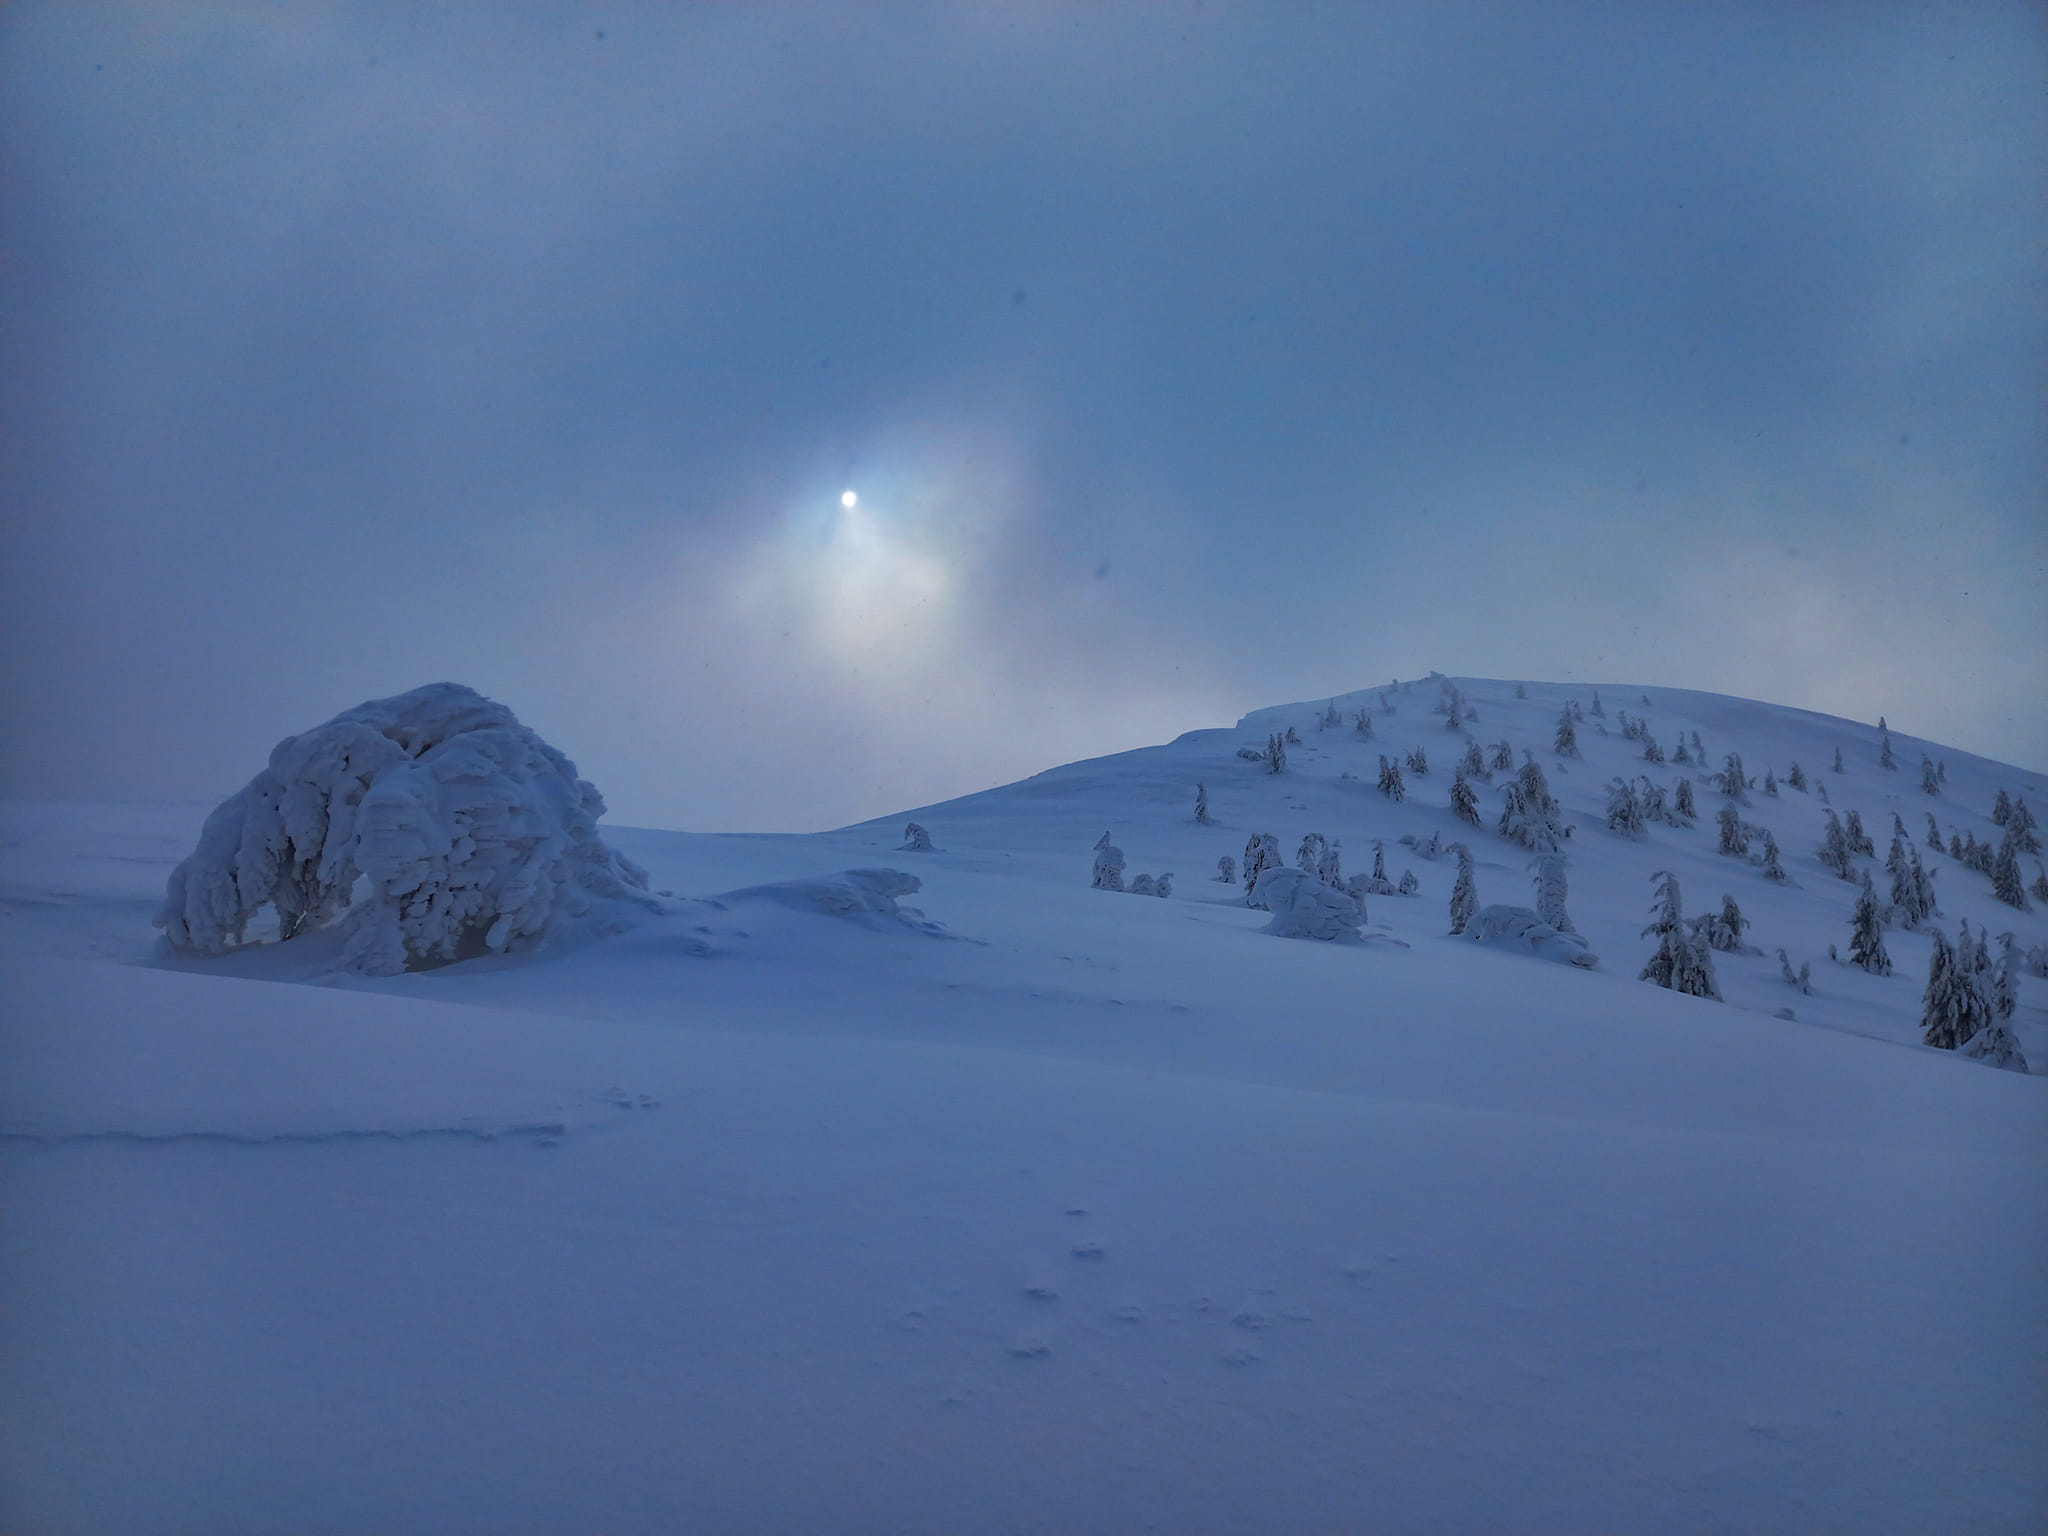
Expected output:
(1182, 360)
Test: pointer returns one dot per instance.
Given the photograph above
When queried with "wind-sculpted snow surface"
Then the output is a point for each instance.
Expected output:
(468, 831)
(863, 896)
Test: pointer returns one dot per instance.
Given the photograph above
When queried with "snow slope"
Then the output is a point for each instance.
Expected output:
(1009, 1204)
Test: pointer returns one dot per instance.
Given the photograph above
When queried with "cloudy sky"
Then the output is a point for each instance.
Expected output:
(1183, 359)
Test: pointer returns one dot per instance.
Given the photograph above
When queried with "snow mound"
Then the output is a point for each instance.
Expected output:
(1305, 908)
(1521, 930)
(469, 833)
(863, 896)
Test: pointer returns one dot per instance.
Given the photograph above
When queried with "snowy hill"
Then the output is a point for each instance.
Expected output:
(812, 1202)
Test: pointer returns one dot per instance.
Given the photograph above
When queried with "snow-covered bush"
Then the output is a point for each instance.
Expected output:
(916, 839)
(1409, 885)
(1304, 908)
(1141, 885)
(469, 833)
(1226, 870)
(1523, 931)
(1163, 886)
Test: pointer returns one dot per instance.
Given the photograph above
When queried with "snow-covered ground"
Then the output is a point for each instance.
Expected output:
(1012, 1204)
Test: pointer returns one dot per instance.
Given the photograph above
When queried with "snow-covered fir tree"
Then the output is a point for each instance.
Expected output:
(1884, 745)
(1163, 886)
(1408, 885)
(1261, 853)
(1699, 752)
(1465, 893)
(1838, 759)
(2005, 978)
(1650, 796)
(1363, 728)
(1530, 817)
(1950, 1012)
(1930, 781)
(1276, 754)
(916, 839)
(1835, 854)
(2006, 882)
(1551, 892)
(1721, 930)
(1330, 867)
(1418, 763)
(1681, 802)
(1390, 779)
(1503, 757)
(1859, 840)
(2040, 886)
(1682, 962)
(1202, 804)
(1293, 737)
(1770, 784)
(1797, 778)
(1774, 871)
(1141, 885)
(2001, 808)
(1597, 710)
(1624, 809)
(1226, 870)
(1464, 803)
(2022, 828)
(1521, 691)
(1109, 866)
(1730, 781)
(1734, 835)
(1309, 856)
(1377, 883)
(1933, 833)
(1681, 754)
(1473, 763)
(1803, 981)
(1565, 742)
(1866, 937)
(1652, 753)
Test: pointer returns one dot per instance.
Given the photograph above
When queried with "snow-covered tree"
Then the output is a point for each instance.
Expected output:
(1464, 803)
(1409, 884)
(2022, 829)
(1652, 753)
(1949, 1012)
(1774, 871)
(1164, 885)
(1330, 867)
(1202, 804)
(916, 839)
(1310, 854)
(468, 832)
(1378, 883)
(2006, 882)
(2005, 978)
(1276, 754)
(1770, 784)
(1503, 757)
(1363, 728)
(1933, 833)
(1884, 745)
(1721, 930)
(1330, 717)
(1682, 963)
(1141, 885)
(1551, 892)
(1624, 809)
(1473, 762)
(1597, 710)
(1680, 754)
(1866, 938)
(1261, 853)
(1681, 802)
(1797, 778)
(2040, 886)
(1734, 835)
(1650, 798)
(1226, 870)
(1293, 737)
(1390, 779)
(1465, 893)
(1803, 981)
(1521, 691)
(1565, 743)
(1304, 908)
(1730, 780)
(2001, 808)
(1699, 752)
(1835, 853)
(1418, 763)
(1859, 840)
(1109, 866)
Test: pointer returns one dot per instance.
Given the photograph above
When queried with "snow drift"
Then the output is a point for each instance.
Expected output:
(466, 832)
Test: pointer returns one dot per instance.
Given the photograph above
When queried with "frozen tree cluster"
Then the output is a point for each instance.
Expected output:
(1968, 1004)
(467, 832)
(1683, 962)
(1530, 818)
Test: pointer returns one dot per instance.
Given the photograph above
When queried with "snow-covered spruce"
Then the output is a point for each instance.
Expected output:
(1682, 963)
(916, 840)
(1464, 894)
(1551, 891)
(1625, 813)
(1565, 741)
(1721, 930)
(1202, 804)
(1226, 870)
(1390, 779)
(1464, 802)
(1108, 873)
(1885, 760)
(1261, 853)
(470, 833)
(1681, 804)
(1803, 981)
(1418, 763)
(1866, 937)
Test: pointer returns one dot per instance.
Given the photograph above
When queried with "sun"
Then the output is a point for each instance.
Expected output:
(848, 500)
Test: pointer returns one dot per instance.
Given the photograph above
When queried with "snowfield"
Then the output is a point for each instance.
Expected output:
(968, 1198)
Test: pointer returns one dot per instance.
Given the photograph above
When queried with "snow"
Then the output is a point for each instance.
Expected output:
(795, 1206)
